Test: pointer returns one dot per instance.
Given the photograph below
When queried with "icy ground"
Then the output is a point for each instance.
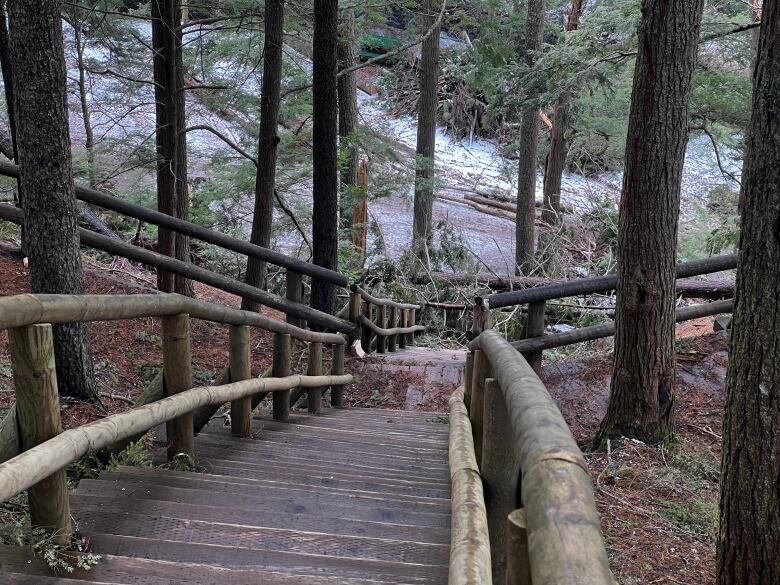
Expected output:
(123, 112)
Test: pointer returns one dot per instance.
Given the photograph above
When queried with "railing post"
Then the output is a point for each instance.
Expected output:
(177, 377)
(481, 319)
(411, 318)
(38, 419)
(381, 321)
(500, 471)
(480, 372)
(294, 284)
(281, 369)
(354, 312)
(534, 327)
(402, 323)
(315, 369)
(365, 338)
(240, 369)
(392, 322)
(518, 569)
(337, 392)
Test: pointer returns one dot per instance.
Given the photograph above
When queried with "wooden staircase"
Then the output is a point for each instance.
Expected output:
(347, 496)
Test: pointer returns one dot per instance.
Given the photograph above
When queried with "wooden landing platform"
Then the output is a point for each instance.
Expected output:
(348, 496)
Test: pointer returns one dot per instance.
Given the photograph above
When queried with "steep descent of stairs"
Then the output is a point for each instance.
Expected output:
(349, 496)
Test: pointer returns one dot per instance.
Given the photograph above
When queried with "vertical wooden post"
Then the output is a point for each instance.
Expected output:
(481, 370)
(177, 377)
(481, 319)
(365, 339)
(500, 470)
(381, 321)
(534, 327)
(354, 311)
(240, 369)
(518, 569)
(402, 323)
(294, 284)
(337, 392)
(392, 321)
(412, 322)
(38, 420)
(315, 369)
(468, 375)
(281, 369)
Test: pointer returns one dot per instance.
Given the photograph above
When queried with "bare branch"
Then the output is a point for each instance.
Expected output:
(224, 139)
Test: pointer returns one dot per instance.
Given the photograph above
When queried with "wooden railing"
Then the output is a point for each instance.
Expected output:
(534, 340)
(46, 450)
(384, 324)
(539, 507)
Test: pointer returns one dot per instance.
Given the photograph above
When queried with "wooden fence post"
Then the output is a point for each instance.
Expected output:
(365, 337)
(315, 369)
(240, 369)
(177, 377)
(481, 371)
(481, 319)
(281, 369)
(518, 569)
(38, 420)
(354, 311)
(534, 327)
(402, 323)
(412, 323)
(392, 321)
(337, 392)
(500, 471)
(294, 284)
(381, 321)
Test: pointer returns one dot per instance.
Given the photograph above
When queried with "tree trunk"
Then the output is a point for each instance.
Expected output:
(268, 141)
(46, 181)
(89, 142)
(749, 543)
(556, 157)
(348, 117)
(5, 66)
(426, 139)
(528, 150)
(360, 212)
(641, 401)
(325, 215)
(171, 141)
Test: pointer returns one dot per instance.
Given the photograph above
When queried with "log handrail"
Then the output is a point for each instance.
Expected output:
(366, 296)
(564, 543)
(28, 309)
(602, 284)
(197, 273)
(31, 466)
(381, 331)
(100, 199)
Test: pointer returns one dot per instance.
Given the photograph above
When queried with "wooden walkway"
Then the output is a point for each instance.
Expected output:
(348, 496)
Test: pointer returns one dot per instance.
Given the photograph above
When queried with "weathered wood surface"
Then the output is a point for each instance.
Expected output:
(177, 378)
(383, 332)
(240, 367)
(368, 297)
(311, 522)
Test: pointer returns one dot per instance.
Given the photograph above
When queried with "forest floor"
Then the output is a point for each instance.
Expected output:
(658, 503)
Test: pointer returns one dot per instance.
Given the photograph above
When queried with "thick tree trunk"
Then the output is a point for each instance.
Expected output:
(325, 216)
(46, 181)
(268, 140)
(556, 157)
(359, 212)
(528, 150)
(348, 116)
(749, 543)
(172, 188)
(426, 139)
(641, 401)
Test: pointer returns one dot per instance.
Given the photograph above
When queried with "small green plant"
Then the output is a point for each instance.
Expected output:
(701, 519)
(203, 375)
(697, 465)
(443, 420)
(148, 371)
(134, 455)
(77, 556)
(87, 467)
(144, 336)
(182, 462)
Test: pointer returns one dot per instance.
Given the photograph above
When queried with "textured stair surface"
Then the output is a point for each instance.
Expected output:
(349, 496)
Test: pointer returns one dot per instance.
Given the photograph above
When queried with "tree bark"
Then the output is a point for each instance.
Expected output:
(641, 401)
(5, 67)
(556, 157)
(426, 139)
(749, 543)
(360, 212)
(46, 179)
(325, 132)
(268, 140)
(171, 140)
(89, 141)
(348, 116)
(528, 150)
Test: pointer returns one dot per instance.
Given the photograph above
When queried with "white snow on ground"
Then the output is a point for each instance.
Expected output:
(124, 112)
